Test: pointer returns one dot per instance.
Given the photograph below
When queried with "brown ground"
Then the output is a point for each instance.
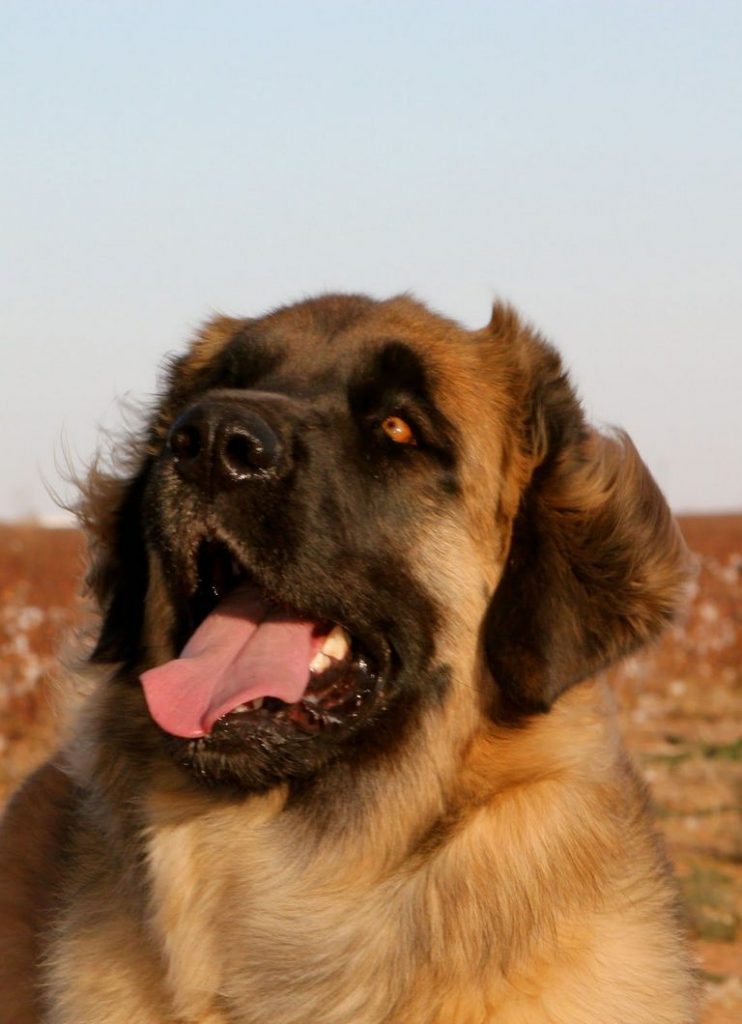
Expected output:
(681, 706)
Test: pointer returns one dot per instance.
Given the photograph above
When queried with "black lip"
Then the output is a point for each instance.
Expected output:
(360, 694)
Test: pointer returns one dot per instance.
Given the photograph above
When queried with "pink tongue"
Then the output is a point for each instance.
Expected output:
(241, 651)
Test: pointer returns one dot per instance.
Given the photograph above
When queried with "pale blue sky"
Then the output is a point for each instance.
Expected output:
(163, 160)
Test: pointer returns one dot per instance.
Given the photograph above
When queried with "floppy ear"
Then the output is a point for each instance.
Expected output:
(110, 513)
(597, 565)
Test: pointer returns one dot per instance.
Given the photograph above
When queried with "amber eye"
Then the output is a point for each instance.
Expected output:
(398, 430)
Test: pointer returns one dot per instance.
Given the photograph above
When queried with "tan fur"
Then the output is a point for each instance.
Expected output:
(490, 872)
(210, 341)
(29, 844)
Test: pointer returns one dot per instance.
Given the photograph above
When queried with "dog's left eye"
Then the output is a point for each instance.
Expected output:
(398, 430)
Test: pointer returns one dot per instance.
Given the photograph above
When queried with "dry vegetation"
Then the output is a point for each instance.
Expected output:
(680, 703)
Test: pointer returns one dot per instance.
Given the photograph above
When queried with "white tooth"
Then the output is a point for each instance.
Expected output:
(319, 662)
(337, 644)
(251, 705)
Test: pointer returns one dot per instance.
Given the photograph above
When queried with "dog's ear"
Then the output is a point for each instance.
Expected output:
(597, 565)
(110, 513)
(110, 506)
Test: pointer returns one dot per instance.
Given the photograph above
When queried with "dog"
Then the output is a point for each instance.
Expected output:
(349, 758)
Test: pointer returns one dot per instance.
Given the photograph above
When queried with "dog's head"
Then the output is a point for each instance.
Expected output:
(351, 513)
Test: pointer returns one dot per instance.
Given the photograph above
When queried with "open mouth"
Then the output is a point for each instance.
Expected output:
(250, 659)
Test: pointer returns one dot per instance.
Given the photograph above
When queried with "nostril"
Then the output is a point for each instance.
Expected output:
(186, 442)
(242, 453)
(245, 451)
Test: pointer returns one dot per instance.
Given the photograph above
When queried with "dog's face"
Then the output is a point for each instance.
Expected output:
(352, 514)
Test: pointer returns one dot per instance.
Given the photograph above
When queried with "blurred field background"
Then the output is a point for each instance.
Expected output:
(681, 708)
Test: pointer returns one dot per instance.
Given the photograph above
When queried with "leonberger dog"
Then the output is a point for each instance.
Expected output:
(347, 759)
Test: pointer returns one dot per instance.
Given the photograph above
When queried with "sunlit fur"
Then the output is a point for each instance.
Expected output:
(494, 863)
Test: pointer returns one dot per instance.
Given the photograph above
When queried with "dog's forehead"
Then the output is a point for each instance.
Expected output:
(334, 341)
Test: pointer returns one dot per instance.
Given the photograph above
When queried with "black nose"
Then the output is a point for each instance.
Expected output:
(216, 445)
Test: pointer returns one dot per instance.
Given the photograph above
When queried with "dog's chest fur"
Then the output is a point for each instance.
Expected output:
(254, 926)
(270, 928)
(524, 908)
